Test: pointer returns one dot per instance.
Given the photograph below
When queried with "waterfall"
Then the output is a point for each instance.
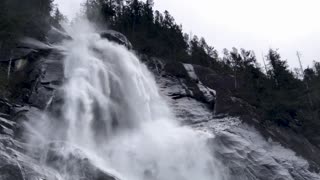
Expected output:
(115, 115)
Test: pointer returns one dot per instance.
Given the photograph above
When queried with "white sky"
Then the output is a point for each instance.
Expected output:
(289, 25)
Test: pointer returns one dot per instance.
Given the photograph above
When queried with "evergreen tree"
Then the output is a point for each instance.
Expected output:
(285, 91)
(57, 18)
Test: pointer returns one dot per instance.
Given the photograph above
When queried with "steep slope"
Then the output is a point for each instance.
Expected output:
(92, 110)
(248, 150)
(199, 98)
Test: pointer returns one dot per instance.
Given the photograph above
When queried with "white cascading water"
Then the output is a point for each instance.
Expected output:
(114, 113)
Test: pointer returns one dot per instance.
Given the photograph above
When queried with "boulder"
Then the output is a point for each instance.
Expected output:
(116, 37)
(71, 162)
(193, 86)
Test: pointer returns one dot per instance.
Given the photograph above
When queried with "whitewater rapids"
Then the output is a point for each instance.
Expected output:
(113, 113)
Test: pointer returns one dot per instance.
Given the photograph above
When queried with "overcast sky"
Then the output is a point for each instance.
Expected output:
(290, 25)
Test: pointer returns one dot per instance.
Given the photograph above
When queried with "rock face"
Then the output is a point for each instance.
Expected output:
(116, 37)
(32, 86)
(200, 98)
(36, 75)
(13, 164)
(192, 85)
(234, 141)
(73, 163)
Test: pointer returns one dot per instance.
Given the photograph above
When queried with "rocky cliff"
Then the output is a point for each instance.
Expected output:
(216, 92)
(200, 98)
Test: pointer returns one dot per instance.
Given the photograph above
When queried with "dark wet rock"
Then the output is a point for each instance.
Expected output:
(10, 172)
(73, 163)
(116, 37)
(47, 77)
(34, 83)
(18, 53)
(7, 123)
(5, 108)
(41, 97)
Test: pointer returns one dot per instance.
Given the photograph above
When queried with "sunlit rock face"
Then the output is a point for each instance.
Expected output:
(88, 108)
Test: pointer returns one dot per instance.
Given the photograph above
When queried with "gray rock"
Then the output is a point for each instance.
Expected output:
(10, 172)
(36, 81)
(192, 86)
(55, 35)
(71, 162)
(181, 87)
(49, 79)
(116, 37)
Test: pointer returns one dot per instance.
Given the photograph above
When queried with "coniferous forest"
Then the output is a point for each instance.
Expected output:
(283, 97)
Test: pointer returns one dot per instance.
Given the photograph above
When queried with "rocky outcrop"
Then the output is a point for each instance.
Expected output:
(183, 81)
(116, 37)
(13, 164)
(199, 96)
(249, 149)
(7, 111)
(36, 76)
(32, 82)
(192, 86)
(204, 85)
(250, 156)
(73, 163)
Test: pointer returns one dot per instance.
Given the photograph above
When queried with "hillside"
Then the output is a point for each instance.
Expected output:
(76, 101)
